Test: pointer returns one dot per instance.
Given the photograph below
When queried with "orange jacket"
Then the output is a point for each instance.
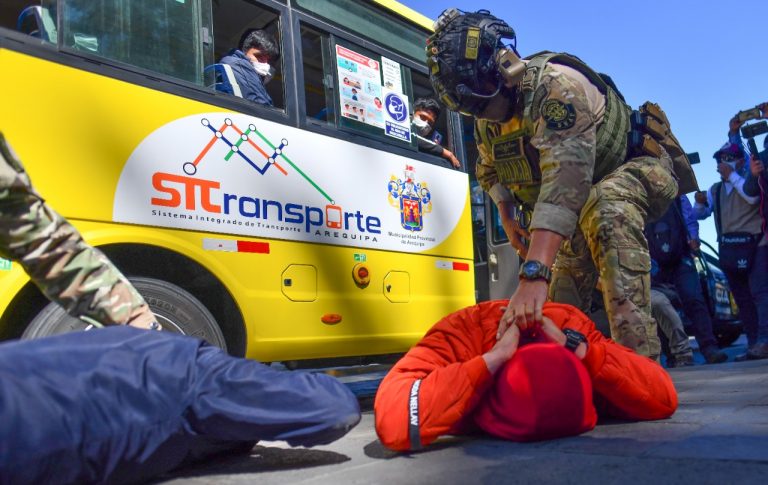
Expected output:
(454, 376)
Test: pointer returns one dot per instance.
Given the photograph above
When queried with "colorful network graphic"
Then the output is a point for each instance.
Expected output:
(235, 148)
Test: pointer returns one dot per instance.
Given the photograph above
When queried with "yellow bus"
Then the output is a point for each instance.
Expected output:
(312, 228)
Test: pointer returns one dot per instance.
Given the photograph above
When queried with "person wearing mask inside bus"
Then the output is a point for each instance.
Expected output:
(426, 112)
(251, 65)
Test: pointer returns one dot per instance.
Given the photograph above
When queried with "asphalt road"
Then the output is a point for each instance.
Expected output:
(719, 435)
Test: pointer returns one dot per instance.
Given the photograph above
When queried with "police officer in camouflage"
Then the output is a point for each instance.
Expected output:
(66, 269)
(553, 140)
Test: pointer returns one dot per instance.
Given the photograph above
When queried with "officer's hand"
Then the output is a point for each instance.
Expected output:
(756, 165)
(525, 306)
(701, 197)
(504, 349)
(516, 234)
(694, 244)
(724, 170)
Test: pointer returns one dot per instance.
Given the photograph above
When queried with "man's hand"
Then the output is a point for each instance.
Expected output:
(525, 306)
(553, 333)
(724, 170)
(700, 197)
(756, 165)
(447, 154)
(764, 108)
(734, 124)
(505, 348)
(515, 232)
(694, 244)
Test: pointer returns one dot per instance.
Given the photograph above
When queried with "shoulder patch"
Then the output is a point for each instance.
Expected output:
(558, 115)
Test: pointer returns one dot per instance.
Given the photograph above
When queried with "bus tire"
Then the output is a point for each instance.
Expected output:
(175, 308)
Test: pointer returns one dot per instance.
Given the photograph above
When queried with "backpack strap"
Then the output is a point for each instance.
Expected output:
(536, 63)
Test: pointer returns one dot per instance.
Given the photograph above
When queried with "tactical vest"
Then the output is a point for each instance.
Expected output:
(507, 144)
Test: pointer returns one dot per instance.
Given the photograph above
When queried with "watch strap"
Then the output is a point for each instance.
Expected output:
(573, 339)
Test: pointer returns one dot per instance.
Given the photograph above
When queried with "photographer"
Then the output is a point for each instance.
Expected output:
(743, 246)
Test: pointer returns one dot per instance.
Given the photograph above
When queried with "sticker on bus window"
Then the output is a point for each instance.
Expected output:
(393, 79)
(359, 87)
(396, 119)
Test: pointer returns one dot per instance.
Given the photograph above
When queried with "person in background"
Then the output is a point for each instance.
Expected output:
(426, 112)
(743, 247)
(671, 327)
(671, 242)
(251, 65)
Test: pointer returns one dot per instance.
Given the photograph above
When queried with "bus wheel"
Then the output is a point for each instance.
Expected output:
(176, 310)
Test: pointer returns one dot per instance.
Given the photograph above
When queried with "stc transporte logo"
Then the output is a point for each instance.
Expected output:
(195, 195)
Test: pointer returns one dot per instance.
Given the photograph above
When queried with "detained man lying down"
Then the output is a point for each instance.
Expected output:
(551, 382)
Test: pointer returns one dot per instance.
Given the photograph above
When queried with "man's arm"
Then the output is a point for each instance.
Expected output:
(704, 205)
(67, 270)
(738, 184)
(690, 222)
(566, 137)
(626, 385)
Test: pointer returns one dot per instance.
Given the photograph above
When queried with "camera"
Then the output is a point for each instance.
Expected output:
(751, 131)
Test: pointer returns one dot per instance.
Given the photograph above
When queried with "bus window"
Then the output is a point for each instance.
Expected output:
(422, 89)
(318, 86)
(166, 36)
(233, 20)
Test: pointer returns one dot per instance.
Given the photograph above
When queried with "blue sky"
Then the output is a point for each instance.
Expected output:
(702, 61)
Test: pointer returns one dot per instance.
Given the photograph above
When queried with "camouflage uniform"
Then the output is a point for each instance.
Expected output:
(567, 166)
(67, 270)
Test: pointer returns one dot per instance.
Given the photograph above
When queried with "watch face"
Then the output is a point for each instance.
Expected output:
(530, 268)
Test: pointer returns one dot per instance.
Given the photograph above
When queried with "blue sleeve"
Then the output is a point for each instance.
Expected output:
(735, 138)
(690, 219)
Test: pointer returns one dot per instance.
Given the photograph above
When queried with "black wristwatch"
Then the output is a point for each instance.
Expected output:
(535, 270)
(573, 339)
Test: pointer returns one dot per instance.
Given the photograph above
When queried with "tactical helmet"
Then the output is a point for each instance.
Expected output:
(461, 57)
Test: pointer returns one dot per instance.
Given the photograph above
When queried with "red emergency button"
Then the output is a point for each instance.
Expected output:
(361, 275)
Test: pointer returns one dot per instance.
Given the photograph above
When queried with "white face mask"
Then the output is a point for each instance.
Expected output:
(262, 69)
(422, 127)
(732, 165)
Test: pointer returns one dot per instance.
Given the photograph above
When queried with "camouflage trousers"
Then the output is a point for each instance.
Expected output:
(609, 246)
(68, 271)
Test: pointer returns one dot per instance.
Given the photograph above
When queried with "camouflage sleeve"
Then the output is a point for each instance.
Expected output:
(565, 134)
(486, 174)
(66, 269)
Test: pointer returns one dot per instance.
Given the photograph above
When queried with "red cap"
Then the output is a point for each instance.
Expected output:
(542, 392)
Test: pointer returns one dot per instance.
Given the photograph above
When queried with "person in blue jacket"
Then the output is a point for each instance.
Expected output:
(252, 65)
(122, 404)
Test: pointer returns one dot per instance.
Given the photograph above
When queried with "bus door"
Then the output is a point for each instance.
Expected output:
(503, 261)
